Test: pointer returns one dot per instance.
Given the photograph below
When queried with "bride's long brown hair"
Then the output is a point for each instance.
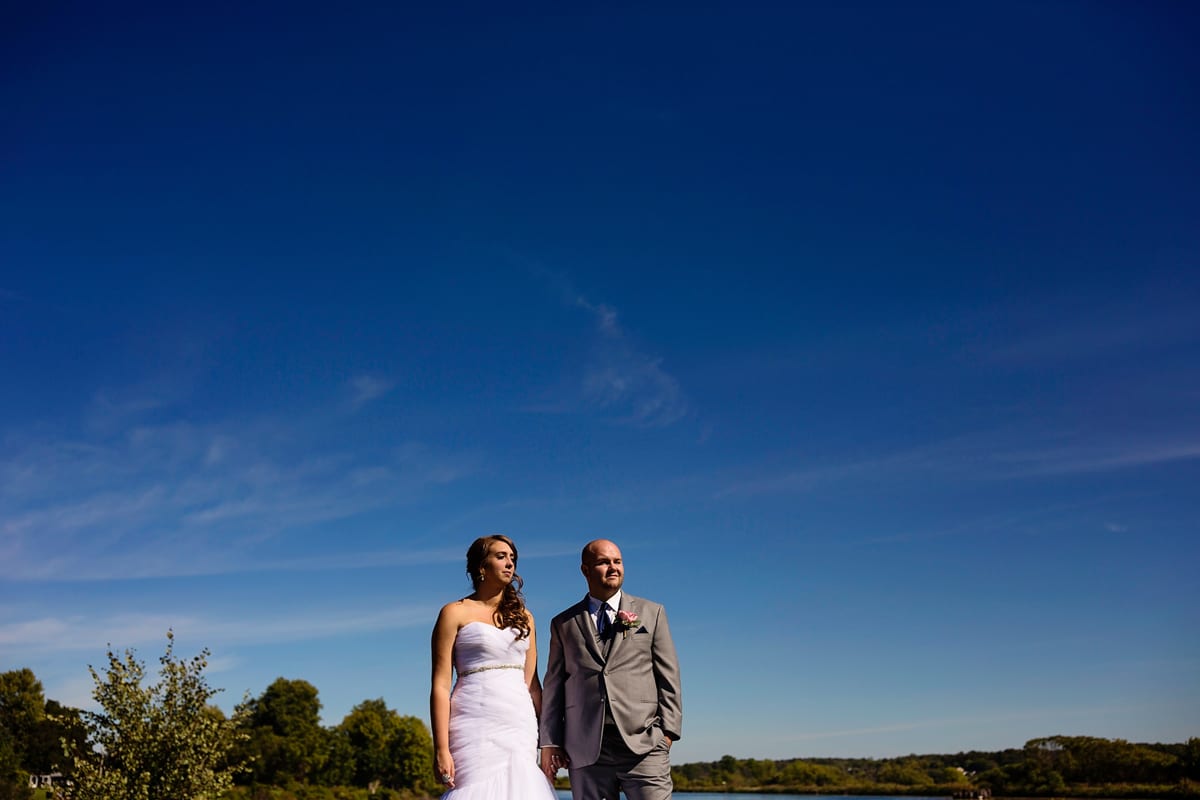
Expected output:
(511, 611)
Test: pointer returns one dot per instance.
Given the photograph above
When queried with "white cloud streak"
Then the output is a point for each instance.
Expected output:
(1099, 338)
(998, 455)
(1097, 456)
(622, 380)
(367, 388)
(79, 633)
(184, 499)
(981, 719)
(619, 380)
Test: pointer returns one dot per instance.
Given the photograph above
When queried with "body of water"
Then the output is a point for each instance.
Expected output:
(566, 795)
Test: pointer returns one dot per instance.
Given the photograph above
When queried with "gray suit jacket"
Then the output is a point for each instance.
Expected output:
(639, 679)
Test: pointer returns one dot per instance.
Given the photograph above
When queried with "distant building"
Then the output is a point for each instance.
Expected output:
(48, 780)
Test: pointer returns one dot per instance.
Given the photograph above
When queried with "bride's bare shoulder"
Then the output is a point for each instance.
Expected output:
(456, 612)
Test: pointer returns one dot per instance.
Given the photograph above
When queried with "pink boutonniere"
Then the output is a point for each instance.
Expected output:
(628, 621)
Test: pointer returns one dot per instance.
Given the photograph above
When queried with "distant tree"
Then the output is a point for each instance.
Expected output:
(976, 762)
(803, 773)
(155, 742)
(1089, 759)
(947, 775)
(412, 753)
(1190, 759)
(760, 772)
(370, 728)
(22, 710)
(998, 780)
(692, 774)
(22, 705)
(285, 739)
(727, 771)
(388, 749)
(904, 773)
(44, 752)
(14, 781)
(338, 769)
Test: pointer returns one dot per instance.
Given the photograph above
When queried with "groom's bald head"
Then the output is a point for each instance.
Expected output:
(592, 548)
(601, 564)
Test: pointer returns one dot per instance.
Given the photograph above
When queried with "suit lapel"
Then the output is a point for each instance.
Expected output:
(587, 632)
(628, 603)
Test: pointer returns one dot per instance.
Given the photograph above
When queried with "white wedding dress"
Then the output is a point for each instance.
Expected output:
(493, 730)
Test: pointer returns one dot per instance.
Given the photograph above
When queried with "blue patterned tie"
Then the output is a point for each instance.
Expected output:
(602, 622)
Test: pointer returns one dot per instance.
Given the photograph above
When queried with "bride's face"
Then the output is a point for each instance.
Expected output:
(499, 564)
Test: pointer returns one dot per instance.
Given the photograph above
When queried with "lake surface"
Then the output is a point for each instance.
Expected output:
(566, 795)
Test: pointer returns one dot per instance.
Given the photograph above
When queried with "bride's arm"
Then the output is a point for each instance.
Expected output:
(442, 649)
(531, 673)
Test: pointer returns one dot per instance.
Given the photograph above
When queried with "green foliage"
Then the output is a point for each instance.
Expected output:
(22, 704)
(375, 753)
(1087, 759)
(339, 762)
(22, 710)
(45, 750)
(804, 773)
(157, 742)
(948, 776)
(372, 746)
(1056, 766)
(370, 728)
(904, 773)
(733, 773)
(30, 732)
(388, 749)
(412, 751)
(1189, 759)
(14, 781)
(285, 739)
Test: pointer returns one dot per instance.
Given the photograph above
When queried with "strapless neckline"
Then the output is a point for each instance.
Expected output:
(484, 624)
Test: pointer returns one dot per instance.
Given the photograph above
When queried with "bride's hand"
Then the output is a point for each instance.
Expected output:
(444, 762)
(553, 759)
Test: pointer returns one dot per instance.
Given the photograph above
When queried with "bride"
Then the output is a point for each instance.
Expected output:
(485, 729)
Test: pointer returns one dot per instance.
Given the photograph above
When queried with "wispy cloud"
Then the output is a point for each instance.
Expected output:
(1097, 456)
(89, 636)
(974, 720)
(134, 631)
(366, 388)
(994, 455)
(1024, 519)
(1119, 331)
(373, 559)
(183, 499)
(620, 379)
(807, 478)
(114, 408)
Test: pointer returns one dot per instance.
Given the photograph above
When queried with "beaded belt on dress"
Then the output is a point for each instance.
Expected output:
(486, 667)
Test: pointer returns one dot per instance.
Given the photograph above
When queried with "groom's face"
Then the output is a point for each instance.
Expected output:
(604, 570)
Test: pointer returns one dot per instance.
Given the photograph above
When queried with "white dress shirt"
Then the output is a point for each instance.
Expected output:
(614, 603)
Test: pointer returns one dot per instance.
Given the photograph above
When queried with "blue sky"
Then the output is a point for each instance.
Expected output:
(869, 333)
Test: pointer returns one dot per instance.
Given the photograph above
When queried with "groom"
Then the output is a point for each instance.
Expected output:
(611, 698)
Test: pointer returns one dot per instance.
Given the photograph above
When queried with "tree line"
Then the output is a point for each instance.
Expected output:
(166, 740)
(1059, 766)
